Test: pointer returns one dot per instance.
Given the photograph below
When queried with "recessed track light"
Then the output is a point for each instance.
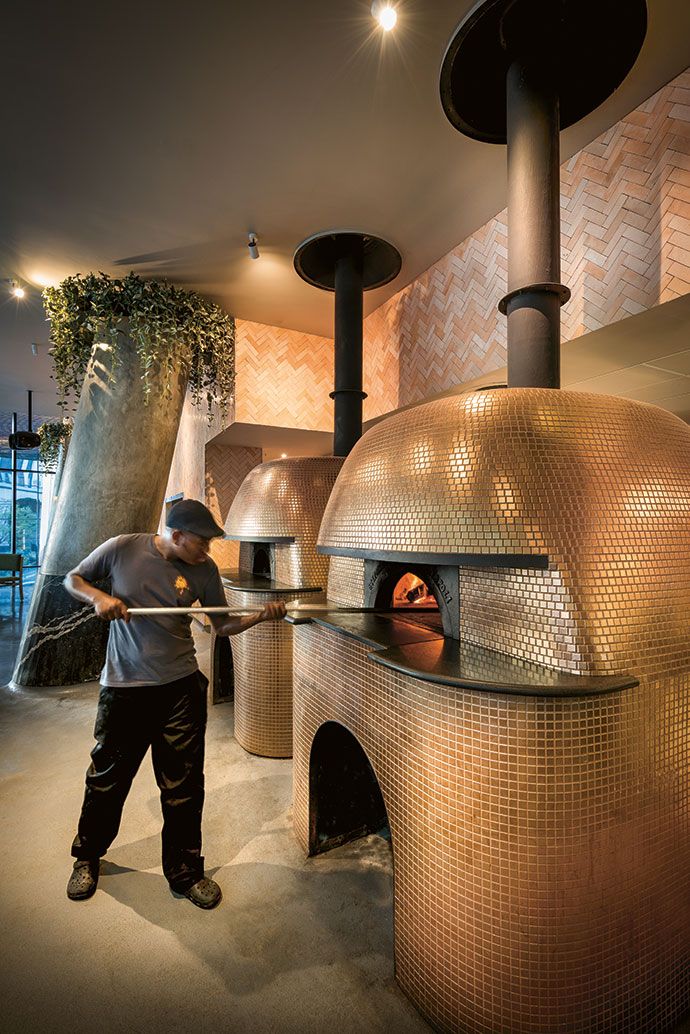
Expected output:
(253, 245)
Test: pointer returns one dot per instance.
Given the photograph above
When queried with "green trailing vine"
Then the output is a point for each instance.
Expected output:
(53, 434)
(169, 326)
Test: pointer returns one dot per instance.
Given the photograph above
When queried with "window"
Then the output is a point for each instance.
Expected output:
(24, 515)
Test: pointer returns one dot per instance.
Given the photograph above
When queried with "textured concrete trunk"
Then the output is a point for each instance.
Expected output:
(113, 483)
(60, 468)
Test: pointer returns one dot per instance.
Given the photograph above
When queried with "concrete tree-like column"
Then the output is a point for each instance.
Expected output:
(113, 483)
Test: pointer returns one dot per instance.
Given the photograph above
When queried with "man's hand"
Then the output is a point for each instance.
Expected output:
(273, 611)
(110, 608)
(233, 625)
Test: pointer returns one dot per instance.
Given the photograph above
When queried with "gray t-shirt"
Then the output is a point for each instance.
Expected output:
(150, 651)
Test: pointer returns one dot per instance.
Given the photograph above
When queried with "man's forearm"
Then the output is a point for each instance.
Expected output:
(235, 625)
(107, 607)
(82, 590)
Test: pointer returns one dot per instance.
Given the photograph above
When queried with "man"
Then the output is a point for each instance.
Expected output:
(152, 692)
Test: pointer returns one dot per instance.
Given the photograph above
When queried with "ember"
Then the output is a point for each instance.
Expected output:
(411, 591)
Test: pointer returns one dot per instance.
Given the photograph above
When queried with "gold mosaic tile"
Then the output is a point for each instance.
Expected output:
(541, 846)
(287, 498)
(262, 659)
(280, 498)
(346, 581)
(600, 484)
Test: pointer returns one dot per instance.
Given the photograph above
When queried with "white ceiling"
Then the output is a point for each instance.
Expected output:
(152, 136)
(277, 442)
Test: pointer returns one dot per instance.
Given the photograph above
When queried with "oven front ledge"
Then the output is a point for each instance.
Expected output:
(468, 666)
(425, 655)
(243, 581)
(379, 629)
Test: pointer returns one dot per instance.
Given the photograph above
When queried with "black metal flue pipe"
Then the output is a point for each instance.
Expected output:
(535, 294)
(347, 263)
(349, 304)
(529, 32)
(517, 72)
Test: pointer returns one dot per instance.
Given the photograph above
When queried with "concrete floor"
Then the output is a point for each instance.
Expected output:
(296, 945)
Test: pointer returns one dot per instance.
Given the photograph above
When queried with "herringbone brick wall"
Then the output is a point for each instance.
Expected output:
(625, 209)
(226, 468)
(381, 372)
(445, 322)
(284, 377)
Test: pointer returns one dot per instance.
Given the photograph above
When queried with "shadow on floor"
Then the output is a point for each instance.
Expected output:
(250, 943)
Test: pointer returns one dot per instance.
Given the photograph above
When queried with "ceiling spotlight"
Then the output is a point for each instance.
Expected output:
(253, 245)
(385, 14)
(15, 289)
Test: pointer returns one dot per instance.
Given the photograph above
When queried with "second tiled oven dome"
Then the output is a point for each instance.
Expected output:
(282, 502)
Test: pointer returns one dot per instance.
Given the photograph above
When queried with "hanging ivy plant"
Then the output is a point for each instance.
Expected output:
(169, 326)
(53, 434)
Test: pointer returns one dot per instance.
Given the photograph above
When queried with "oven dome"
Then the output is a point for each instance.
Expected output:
(515, 471)
(283, 498)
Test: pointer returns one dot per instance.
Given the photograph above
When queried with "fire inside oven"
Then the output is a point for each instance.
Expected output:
(411, 592)
(423, 592)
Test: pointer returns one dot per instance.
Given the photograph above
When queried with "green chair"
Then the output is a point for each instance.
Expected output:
(12, 564)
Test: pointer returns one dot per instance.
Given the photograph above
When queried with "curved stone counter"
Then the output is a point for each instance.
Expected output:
(402, 644)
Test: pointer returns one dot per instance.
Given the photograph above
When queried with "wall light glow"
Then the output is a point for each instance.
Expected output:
(42, 279)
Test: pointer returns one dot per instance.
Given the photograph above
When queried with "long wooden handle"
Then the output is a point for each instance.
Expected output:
(189, 610)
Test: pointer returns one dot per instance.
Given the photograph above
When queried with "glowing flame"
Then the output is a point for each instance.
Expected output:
(411, 591)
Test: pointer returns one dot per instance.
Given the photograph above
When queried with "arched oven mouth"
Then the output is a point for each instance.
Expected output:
(258, 553)
(263, 559)
(423, 592)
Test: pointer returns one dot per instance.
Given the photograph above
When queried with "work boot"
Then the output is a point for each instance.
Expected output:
(84, 879)
(205, 893)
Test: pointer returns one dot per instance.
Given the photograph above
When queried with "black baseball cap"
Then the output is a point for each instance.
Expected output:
(191, 515)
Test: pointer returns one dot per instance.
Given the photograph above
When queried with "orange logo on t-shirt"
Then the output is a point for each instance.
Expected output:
(181, 584)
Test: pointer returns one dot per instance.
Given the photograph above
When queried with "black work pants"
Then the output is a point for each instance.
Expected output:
(171, 719)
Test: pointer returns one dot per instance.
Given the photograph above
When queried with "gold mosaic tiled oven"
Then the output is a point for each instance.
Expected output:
(276, 516)
(533, 763)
